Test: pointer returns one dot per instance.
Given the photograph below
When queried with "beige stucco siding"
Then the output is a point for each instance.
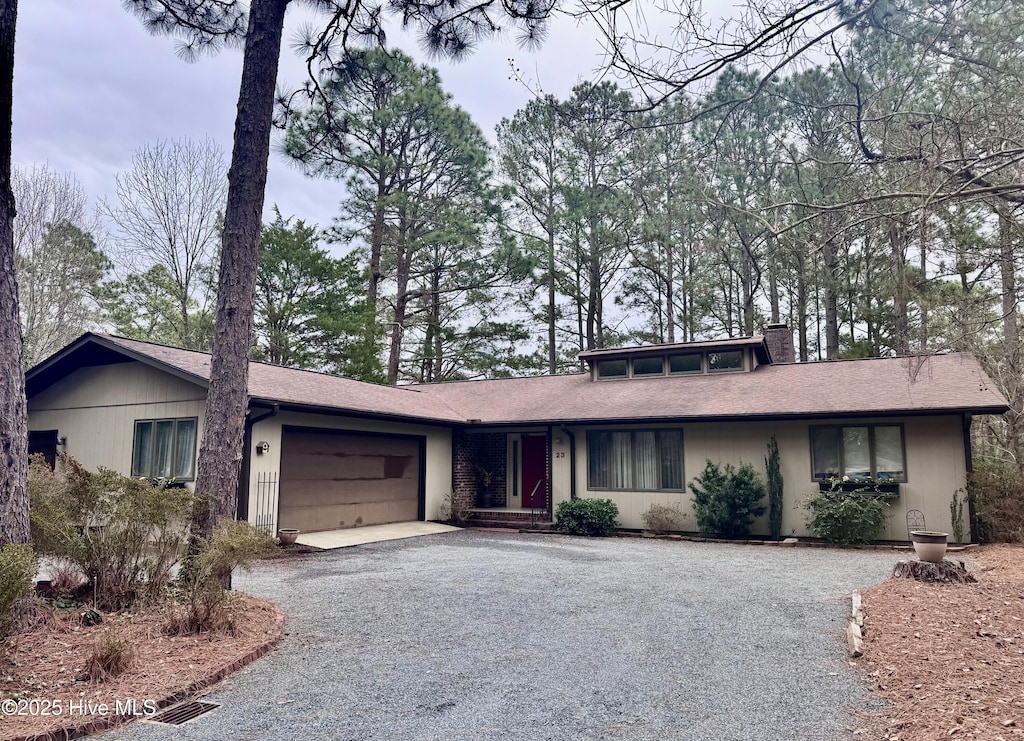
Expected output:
(438, 451)
(934, 459)
(96, 408)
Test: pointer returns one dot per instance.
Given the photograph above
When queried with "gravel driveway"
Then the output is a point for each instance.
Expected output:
(480, 635)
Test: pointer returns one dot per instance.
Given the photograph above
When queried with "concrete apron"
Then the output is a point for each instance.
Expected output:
(330, 539)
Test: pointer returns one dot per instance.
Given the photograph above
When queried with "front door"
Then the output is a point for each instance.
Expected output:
(535, 465)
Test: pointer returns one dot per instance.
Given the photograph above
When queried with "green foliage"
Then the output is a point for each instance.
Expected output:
(997, 488)
(774, 485)
(726, 503)
(425, 218)
(847, 518)
(152, 307)
(235, 544)
(663, 518)
(124, 534)
(17, 580)
(310, 307)
(63, 289)
(593, 517)
(956, 517)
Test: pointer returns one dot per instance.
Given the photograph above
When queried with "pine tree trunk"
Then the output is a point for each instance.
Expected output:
(830, 279)
(221, 452)
(897, 245)
(402, 270)
(13, 427)
(1011, 338)
(801, 306)
(552, 307)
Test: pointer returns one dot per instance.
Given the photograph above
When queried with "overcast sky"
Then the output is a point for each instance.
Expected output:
(91, 86)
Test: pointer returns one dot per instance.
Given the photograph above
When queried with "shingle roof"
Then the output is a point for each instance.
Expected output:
(306, 388)
(936, 383)
(917, 385)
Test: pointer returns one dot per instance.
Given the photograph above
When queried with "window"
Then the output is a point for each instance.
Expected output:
(689, 363)
(858, 452)
(165, 448)
(725, 361)
(635, 460)
(649, 366)
(611, 369)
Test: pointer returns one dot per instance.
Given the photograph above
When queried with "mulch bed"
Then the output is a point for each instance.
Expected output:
(949, 658)
(46, 664)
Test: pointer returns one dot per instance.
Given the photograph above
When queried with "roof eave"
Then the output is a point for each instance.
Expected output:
(767, 417)
(348, 412)
(90, 338)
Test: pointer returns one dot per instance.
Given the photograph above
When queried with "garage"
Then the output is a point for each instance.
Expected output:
(333, 479)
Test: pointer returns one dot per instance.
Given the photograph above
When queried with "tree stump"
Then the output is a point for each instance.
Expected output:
(945, 572)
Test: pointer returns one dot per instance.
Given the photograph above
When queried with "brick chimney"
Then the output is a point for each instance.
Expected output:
(779, 340)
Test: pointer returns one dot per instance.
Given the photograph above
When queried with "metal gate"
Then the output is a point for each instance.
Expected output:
(265, 511)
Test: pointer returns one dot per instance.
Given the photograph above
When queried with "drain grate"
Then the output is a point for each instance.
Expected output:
(184, 713)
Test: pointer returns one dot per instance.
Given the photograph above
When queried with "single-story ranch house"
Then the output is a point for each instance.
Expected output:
(323, 452)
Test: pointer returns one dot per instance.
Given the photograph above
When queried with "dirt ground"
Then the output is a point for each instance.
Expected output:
(949, 657)
(47, 664)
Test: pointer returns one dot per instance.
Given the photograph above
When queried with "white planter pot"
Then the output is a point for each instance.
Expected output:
(287, 536)
(930, 546)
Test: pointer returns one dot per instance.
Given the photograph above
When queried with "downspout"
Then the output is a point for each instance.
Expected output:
(242, 505)
(972, 513)
(572, 460)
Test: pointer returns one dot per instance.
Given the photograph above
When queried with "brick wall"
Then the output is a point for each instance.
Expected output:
(474, 453)
(779, 339)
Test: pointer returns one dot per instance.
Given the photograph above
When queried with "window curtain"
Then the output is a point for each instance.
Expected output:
(142, 461)
(671, 459)
(889, 453)
(856, 453)
(621, 461)
(164, 448)
(646, 445)
(825, 450)
(598, 455)
(185, 448)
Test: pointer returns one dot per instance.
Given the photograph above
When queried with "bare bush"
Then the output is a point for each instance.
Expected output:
(17, 576)
(124, 534)
(111, 656)
(662, 519)
(234, 545)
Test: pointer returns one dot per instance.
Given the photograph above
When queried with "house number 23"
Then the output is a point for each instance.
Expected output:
(559, 455)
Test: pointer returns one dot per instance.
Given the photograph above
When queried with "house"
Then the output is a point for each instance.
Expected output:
(323, 452)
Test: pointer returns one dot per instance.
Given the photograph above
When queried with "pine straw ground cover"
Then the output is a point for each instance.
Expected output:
(949, 657)
(49, 662)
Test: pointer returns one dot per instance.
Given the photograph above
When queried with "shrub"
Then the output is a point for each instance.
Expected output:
(726, 503)
(454, 509)
(595, 517)
(847, 518)
(17, 582)
(997, 489)
(123, 533)
(773, 474)
(235, 544)
(956, 517)
(663, 518)
(111, 656)
(66, 577)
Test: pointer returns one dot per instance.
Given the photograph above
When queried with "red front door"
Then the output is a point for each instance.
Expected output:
(535, 465)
